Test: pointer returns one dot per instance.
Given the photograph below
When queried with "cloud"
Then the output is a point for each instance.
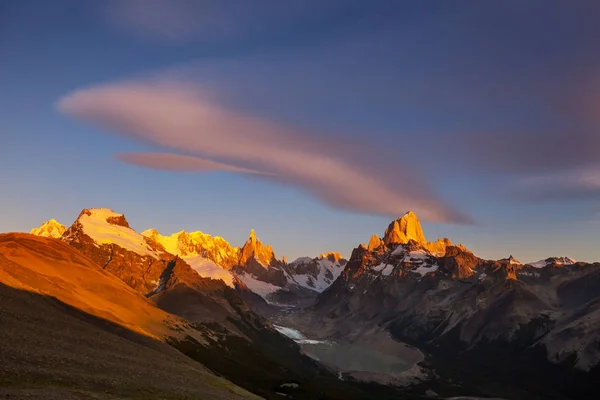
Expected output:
(574, 184)
(180, 163)
(183, 118)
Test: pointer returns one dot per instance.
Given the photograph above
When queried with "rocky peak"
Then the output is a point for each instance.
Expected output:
(404, 229)
(439, 246)
(407, 228)
(254, 248)
(51, 228)
(374, 243)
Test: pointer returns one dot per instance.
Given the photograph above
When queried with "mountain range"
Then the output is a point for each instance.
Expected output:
(402, 317)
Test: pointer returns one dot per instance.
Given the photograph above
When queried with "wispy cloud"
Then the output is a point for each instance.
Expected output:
(185, 119)
(180, 163)
(578, 183)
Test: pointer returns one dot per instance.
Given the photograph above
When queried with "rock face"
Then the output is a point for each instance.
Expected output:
(408, 228)
(49, 228)
(253, 248)
(456, 304)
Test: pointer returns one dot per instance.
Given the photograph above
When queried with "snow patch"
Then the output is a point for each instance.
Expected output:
(208, 269)
(261, 288)
(289, 332)
(385, 269)
(425, 269)
(296, 335)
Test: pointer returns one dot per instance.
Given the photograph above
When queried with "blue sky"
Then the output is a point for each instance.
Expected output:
(482, 117)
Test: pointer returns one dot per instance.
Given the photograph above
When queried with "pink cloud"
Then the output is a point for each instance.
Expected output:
(180, 163)
(185, 119)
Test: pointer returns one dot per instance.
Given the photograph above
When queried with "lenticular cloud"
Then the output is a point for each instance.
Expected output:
(203, 136)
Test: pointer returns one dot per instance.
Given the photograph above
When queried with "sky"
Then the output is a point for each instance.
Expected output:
(314, 123)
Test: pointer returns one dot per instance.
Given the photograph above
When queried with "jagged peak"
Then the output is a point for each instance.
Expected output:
(254, 248)
(403, 229)
(407, 228)
(374, 243)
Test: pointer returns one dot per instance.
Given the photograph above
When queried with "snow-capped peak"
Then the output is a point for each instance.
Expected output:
(51, 228)
(553, 261)
(105, 226)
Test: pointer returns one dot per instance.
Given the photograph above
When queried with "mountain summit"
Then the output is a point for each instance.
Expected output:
(407, 228)
(253, 248)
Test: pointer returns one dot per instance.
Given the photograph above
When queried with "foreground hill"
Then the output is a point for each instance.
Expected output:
(72, 330)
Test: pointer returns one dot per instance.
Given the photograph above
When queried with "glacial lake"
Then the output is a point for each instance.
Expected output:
(347, 357)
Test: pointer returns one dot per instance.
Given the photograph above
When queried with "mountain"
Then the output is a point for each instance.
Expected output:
(516, 322)
(49, 228)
